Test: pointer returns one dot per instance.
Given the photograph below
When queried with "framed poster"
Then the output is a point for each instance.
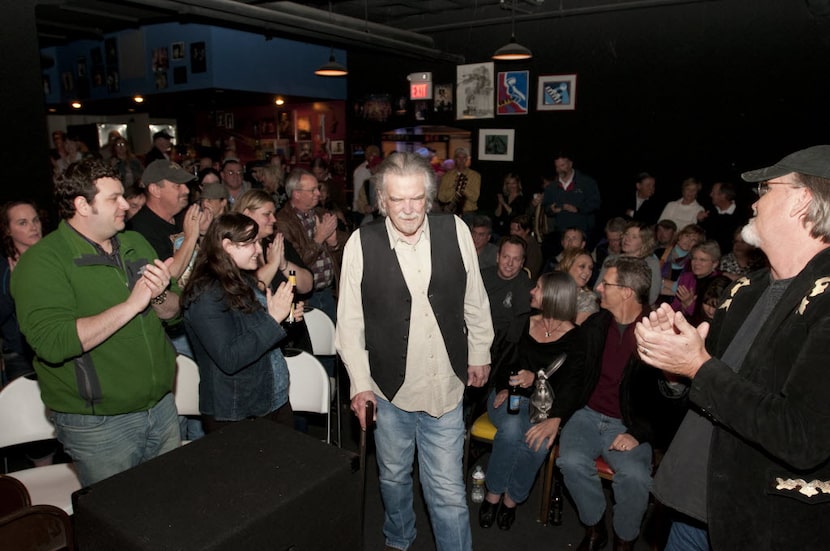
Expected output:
(443, 98)
(496, 144)
(512, 93)
(474, 90)
(556, 93)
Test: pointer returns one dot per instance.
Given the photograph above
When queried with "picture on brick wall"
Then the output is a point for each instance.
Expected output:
(474, 90)
(198, 58)
(556, 93)
(512, 93)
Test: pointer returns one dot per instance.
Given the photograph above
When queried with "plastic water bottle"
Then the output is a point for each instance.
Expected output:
(479, 490)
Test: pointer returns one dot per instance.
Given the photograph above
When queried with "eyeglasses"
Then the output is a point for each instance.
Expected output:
(606, 284)
(233, 172)
(763, 187)
(310, 190)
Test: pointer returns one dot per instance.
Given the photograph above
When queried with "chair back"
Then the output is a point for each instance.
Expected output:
(39, 527)
(186, 391)
(23, 413)
(13, 495)
(309, 387)
(321, 332)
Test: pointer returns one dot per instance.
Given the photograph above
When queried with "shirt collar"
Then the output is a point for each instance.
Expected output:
(395, 237)
(729, 210)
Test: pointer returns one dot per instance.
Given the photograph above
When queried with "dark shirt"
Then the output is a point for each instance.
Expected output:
(615, 356)
(155, 230)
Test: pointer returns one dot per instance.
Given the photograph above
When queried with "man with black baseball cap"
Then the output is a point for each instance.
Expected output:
(749, 467)
(162, 143)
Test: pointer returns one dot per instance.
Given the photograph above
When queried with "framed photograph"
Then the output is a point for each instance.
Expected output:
(474, 90)
(229, 120)
(198, 58)
(512, 95)
(302, 128)
(337, 147)
(556, 93)
(161, 61)
(179, 75)
(177, 49)
(496, 144)
(443, 98)
(304, 152)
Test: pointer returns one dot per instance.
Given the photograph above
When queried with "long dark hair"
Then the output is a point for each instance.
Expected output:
(5, 227)
(213, 264)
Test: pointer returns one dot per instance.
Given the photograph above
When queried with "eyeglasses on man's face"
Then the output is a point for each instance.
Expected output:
(764, 187)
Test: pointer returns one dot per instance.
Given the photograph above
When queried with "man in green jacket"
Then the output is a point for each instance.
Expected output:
(90, 299)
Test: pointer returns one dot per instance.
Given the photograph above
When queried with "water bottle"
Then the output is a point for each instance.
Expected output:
(479, 490)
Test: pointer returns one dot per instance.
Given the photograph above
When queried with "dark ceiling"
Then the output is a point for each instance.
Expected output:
(406, 27)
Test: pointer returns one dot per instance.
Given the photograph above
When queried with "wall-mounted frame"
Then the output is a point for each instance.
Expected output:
(474, 91)
(556, 93)
(512, 93)
(496, 144)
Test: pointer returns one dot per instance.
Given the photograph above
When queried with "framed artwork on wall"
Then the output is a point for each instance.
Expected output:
(474, 91)
(512, 97)
(443, 98)
(496, 144)
(556, 93)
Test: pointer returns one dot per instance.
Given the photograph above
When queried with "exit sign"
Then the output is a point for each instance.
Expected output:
(420, 90)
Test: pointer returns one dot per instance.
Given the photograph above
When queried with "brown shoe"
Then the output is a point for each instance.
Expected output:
(622, 545)
(596, 537)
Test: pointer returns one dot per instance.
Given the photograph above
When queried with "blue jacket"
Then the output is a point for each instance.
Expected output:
(243, 372)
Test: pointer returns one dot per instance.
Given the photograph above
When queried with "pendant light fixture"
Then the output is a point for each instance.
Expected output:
(332, 68)
(512, 51)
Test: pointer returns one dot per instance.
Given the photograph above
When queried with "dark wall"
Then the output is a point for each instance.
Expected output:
(707, 89)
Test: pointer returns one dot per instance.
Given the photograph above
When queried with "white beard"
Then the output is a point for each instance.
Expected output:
(750, 234)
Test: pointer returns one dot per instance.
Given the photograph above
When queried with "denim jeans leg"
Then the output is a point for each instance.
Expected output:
(440, 452)
(580, 443)
(632, 481)
(513, 465)
(324, 300)
(686, 537)
(395, 449)
(163, 432)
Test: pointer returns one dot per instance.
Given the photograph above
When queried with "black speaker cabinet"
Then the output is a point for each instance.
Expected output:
(252, 485)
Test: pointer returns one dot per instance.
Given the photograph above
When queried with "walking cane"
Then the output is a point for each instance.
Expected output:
(370, 415)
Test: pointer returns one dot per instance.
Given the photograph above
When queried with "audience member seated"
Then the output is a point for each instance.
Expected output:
(482, 230)
(278, 257)
(510, 203)
(685, 210)
(712, 296)
(271, 176)
(235, 330)
(642, 207)
(135, 198)
(508, 289)
(232, 179)
(611, 244)
(313, 233)
(580, 266)
(125, 162)
(623, 399)
(743, 259)
(664, 232)
(721, 222)
(214, 198)
(675, 259)
(638, 242)
(520, 448)
(521, 227)
(691, 285)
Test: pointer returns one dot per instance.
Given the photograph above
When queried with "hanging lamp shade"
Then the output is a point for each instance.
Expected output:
(332, 69)
(512, 51)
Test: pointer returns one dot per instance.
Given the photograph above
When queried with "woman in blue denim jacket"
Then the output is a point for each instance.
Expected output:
(234, 327)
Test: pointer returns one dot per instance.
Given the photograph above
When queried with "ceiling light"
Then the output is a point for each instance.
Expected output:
(138, 99)
(279, 100)
(332, 69)
(76, 104)
(512, 51)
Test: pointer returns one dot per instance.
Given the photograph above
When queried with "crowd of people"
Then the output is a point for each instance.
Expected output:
(688, 332)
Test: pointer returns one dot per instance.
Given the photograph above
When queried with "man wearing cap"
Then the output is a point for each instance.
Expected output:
(460, 187)
(214, 197)
(750, 466)
(161, 148)
(90, 298)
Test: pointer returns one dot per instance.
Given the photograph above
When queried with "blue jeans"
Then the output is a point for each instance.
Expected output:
(513, 465)
(440, 443)
(104, 445)
(324, 300)
(586, 436)
(688, 537)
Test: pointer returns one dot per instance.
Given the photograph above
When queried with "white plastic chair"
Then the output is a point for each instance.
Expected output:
(186, 391)
(24, 419)
(321, 333)
(309, 388)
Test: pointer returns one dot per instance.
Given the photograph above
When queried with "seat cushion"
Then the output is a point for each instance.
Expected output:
(50, 485)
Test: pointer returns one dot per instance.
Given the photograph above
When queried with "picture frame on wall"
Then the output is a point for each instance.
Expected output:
(443, 98)
(474, 91)
(512, 93)
(556, 93)
(337, 147)
(496, 144)
(177, 50)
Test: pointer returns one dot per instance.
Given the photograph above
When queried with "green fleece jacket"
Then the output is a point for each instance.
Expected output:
(63, 278)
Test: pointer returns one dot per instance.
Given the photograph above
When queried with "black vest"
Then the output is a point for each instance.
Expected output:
(387, 303)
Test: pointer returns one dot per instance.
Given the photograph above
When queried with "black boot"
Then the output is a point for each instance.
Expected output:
(596, 537)
(487, 513)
